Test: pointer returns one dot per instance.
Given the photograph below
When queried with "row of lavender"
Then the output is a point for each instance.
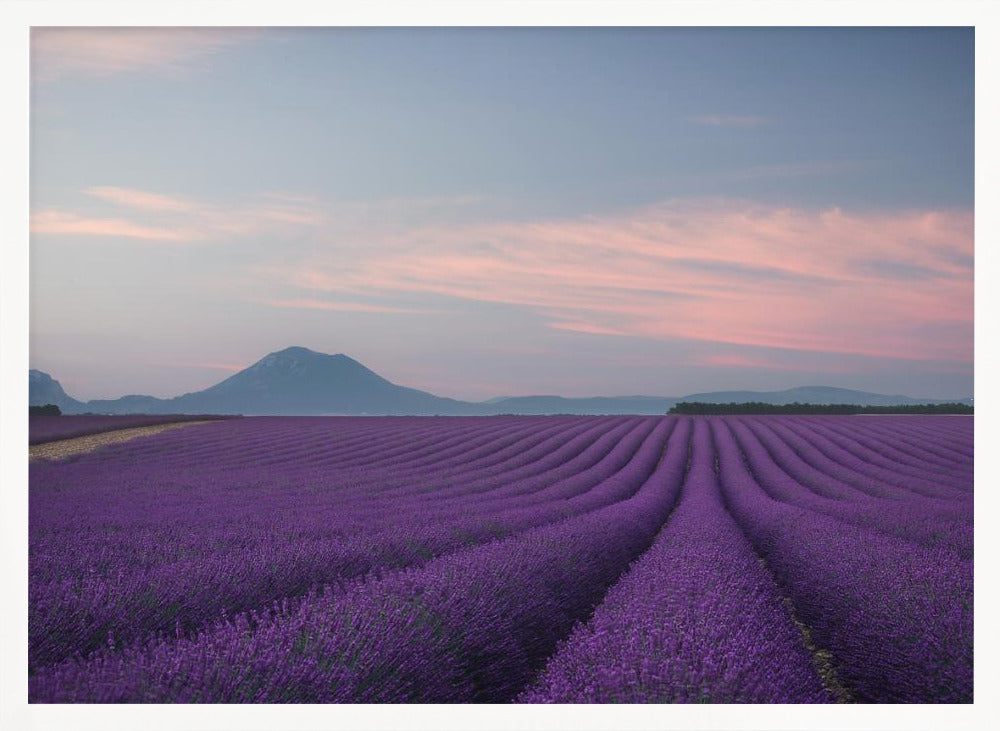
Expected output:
(42, 429)
(796, 559)
(184, 541)
(884, 607)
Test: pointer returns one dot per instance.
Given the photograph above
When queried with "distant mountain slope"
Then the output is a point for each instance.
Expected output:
(299, 381)
(295, 381)
(662, 404)
(591, 405)
(43, 389)
(809, 395)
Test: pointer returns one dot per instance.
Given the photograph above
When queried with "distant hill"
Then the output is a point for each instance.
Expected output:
(758, 408)
(590, 405)
(299, 381)
(662, 404)
(43, 389)
(293, 381)
(813, 395)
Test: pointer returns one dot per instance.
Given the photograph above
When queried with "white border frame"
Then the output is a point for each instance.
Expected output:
(16, 17)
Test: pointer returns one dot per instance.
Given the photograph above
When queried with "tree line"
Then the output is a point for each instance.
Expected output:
(758, 407)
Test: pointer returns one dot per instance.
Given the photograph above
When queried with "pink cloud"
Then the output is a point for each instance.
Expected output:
(719, 271)
(229, 367)
(742, 361)
(300, 216)
(60, 52)
(887, 284)
(174, 218)
(585, 327)
(141, 199)
(313, 304)
(57, 222)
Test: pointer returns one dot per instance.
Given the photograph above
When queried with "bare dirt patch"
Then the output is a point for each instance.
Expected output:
(68, 447)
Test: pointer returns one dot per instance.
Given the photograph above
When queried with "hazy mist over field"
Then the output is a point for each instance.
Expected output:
(483, 213)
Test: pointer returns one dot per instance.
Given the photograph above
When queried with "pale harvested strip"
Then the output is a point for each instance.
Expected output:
(68, 447)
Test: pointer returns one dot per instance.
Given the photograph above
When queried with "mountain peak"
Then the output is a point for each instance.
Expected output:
(300, 352)
(296, 358)
(297, 380)
(43, 389)
(296, 350)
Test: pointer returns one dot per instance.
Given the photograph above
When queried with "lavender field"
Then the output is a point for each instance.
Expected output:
(44, 429)
(773, 559)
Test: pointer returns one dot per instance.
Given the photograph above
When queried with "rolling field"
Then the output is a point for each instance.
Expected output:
(796, 559)
(45, 429)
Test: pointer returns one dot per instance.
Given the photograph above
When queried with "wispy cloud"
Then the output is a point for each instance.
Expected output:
(730, 120)
(70, 224)
(332, 306)
(65, 52)
(140, 199)
(720, 271)
(299, 215)
(228, 367)
(903, 271)
(745, 361)
(715, 270)
(161, 217)
(589, 328)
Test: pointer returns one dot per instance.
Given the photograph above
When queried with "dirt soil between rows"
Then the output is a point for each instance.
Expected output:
(68, 447)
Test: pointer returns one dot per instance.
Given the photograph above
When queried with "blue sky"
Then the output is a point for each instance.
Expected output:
(488, 212)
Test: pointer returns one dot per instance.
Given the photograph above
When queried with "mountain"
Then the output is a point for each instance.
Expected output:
(811, 395)
(294, 381)
(43, 389)
(593, 405)
(299, 381)
(662, 404)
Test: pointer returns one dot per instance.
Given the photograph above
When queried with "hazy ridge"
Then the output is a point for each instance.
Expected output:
(299, 381)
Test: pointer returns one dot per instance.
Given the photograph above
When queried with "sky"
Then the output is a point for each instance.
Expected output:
(495, 212)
